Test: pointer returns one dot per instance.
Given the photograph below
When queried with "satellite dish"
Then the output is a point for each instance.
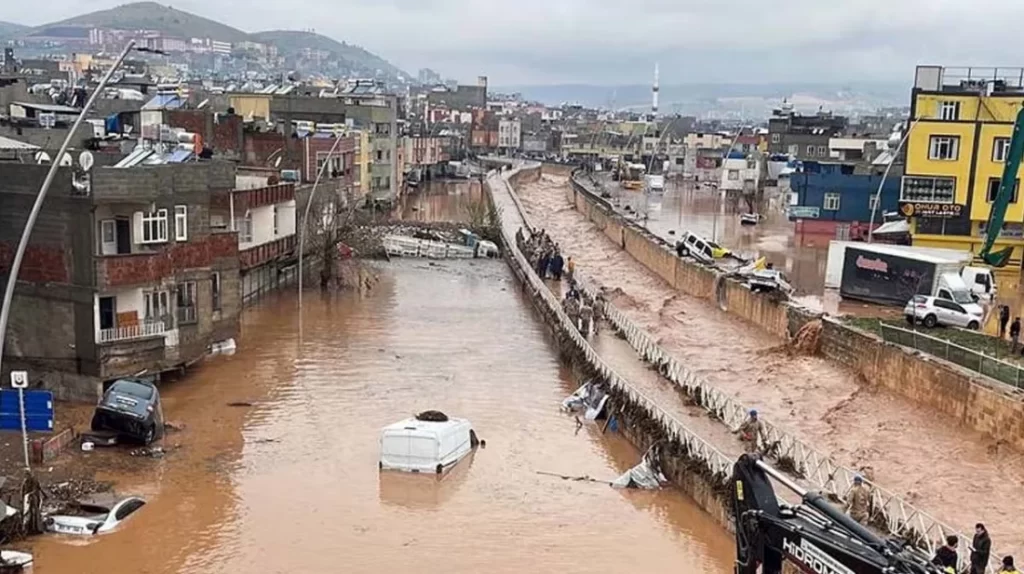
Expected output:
(42, 157)
(66, 160)
(86, 160)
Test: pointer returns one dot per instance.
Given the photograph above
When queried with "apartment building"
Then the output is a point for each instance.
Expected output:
(804, 137)
(961, 119)
(509, 134)
(124, 275)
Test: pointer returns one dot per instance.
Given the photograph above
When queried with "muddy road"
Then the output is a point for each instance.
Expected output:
(954, 474)
(291, 484)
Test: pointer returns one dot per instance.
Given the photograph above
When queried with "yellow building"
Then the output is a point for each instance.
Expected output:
(961, 121)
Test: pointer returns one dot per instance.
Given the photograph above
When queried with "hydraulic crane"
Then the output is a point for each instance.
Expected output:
(815, 537)
(997, 214)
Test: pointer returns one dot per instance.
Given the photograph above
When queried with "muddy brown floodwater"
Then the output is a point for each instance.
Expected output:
(440, 200)
(954, 474)
(291, 484)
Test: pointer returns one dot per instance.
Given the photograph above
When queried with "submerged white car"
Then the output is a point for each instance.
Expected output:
(93, 518)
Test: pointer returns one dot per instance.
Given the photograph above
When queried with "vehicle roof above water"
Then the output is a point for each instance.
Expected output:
(412, 426)
(138, 389)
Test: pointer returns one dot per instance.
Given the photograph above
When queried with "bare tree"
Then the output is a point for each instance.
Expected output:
(337, 219)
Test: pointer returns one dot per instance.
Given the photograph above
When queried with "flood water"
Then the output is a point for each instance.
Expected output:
(291, 484)
(441, 200)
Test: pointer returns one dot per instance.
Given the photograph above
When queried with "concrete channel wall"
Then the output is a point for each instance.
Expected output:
(700, 477)
(972, 401)
(691, 463)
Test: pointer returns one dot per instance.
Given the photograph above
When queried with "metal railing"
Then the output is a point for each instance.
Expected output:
(129, 332)
(970, 359)
(809, 465)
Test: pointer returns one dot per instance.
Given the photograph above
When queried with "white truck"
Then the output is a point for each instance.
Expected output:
(655, 183)
(895, 273)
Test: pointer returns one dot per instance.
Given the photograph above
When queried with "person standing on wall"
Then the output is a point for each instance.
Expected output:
(858, 501)
(981, 549)
(1004, 319)
(751, 433)
(1014, 334)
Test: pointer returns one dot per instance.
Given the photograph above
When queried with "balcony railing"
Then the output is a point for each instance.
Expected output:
(137, 331)
(187, 315)
(256, 256)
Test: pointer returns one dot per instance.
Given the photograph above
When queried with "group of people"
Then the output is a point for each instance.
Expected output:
(584, 311)
(545, 255)
(858, 504)
(1004, 319)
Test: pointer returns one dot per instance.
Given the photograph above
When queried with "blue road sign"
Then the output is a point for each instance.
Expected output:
(38, 410)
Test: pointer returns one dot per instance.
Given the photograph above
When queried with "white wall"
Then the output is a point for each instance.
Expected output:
(263, 224)
(742, 171)
(286, 218)
(250, 181)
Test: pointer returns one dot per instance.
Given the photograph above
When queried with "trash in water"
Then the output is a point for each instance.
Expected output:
(646, 475)
(589, 398)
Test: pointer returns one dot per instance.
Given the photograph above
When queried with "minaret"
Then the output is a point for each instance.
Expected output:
(654, 94)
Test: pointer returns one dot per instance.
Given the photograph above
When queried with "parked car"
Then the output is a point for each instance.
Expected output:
(932, 311)
(93, 518)
(132, 409)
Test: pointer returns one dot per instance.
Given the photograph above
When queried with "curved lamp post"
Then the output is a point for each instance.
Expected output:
(305, 215)
(878, 194)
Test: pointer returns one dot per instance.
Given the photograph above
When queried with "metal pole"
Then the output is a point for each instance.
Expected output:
(26, 234)
(878, 194)
(305, 216)
(24, 427)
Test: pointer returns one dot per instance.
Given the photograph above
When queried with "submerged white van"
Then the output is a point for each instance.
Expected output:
(414, 445)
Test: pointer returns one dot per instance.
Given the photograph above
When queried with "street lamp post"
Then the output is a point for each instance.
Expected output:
(305, 215)
(26, 234)
(717, 186)
(878, 194)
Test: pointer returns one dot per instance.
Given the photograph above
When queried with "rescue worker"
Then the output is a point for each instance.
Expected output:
(1008, 566)
(751, 433)
(946, 556)
(858, 501)
(981, 548)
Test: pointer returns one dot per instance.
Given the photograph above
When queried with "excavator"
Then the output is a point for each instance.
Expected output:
(814, 537)
(997, 214)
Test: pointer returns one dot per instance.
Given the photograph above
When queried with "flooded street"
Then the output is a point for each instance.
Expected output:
(907, 449)
(440, 200)
(291, 484)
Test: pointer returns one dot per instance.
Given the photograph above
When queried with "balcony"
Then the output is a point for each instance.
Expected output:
(260, 254)
(261, 196)
(130, 332)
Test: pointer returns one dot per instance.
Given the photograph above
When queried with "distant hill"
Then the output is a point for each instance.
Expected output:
(152, 16)
(11, 30)
(180, 24)
(291, 42)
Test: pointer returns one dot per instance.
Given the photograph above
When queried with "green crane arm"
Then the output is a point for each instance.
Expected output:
(1006, 185)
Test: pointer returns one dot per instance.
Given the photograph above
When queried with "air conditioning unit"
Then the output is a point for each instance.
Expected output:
(291, 175)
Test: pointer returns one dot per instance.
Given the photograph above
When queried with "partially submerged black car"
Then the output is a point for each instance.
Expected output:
(132, 409)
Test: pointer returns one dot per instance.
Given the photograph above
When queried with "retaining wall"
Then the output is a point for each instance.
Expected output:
(972, 401)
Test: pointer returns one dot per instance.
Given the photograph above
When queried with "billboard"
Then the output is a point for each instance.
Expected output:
(884, 278)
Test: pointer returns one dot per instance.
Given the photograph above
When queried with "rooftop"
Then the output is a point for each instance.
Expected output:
(976, 80)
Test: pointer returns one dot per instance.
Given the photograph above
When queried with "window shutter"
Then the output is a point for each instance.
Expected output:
(137, 227)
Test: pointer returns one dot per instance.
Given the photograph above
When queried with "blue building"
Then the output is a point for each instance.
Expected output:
(827, 196)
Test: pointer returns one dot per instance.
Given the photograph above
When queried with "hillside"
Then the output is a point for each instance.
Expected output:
(153, 16)
(290, 42)
(10, 29)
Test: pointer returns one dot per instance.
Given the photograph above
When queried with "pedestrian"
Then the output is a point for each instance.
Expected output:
(542, 264)
(586, 318)
(599, 305)
(751, 433)
(981, 547)
(571, 306)
(570, 266)
(946, 555)
(858, 501)
(1004, 318)
(1014, 334)
(1008, 566)
(556, 265)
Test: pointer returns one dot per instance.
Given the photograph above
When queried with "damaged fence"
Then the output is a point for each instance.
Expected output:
(889, 512)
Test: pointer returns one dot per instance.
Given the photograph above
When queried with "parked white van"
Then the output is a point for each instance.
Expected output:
(416, 445)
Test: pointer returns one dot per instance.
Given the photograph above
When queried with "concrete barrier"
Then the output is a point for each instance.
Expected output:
(970, 400)
(46, 450)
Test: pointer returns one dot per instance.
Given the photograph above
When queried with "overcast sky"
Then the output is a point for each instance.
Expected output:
(613, 42)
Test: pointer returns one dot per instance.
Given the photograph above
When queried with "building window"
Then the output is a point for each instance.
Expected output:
(1000, 147)
(776, 138)
(187, 302)
(734, 175)
(944, 148)
(181, 223)
(831, 202)
(949, 111)
(794, 150)
(928, 189)
(873, 202)
(380, 155)
(215, 291)
(244, 226)
(153, 227)
(810, 150)
(822, 151)
(993, 189)
(157, 306)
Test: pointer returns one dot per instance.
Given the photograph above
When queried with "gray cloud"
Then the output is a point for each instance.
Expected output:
(615, 42)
